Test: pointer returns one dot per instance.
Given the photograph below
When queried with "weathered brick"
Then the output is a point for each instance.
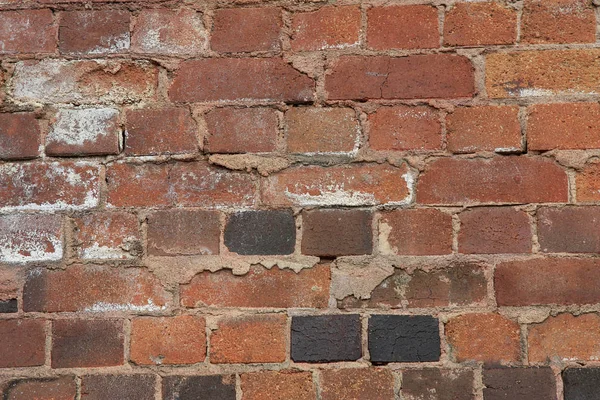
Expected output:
(27, 31)
(260, 287)
(241, 130)
(22, 342)
(30, 238)
(261, 232)
(20, 136)
(330, 233)
(519, 383)
(437, 384)
(403, 27)
(249, 339)
(11, 282)
(326, 338)
(219, 79)
(357, 383)
(569, 229)
(484, 128)
(169, 32)
(343, 185)
(93, 289)
(558, 21)
(282, 385)
(330, 27)
(496, 180)
(88, 131)
(411, 77)
(168, 340)
(246, 29)
(477, 24)
(9, 306)
(494, 230)
(108, 235)
(321, 130)
(198, 387)
(183, 232)
(490, 338)
(94, 32)
(135, 185)
(403, 338)
(405, 128)
(122, 387)
(160, 131)
(547, 281)
(587, 182)
(581, 383)
(63, 388)
(415, 232)
(87, 343)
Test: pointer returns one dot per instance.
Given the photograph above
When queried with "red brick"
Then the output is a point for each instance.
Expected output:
(588, 183)
(281, 385)
(169, 340)
(357, 383)
(260, 287)
(241, 130)
(438, 384)
(484, 128)
(239, 79)
(30, 238)
(249, 339)
(94, 32)
(183, 232)
(476, 24)
(22, 342)
(558, 21)
(160, 131)
(493, 230)
(169, 32)
(246, 29)
(565, 338)
(560, 281)
(93, 288)
(490, 338)
(495, 180)
(403, 27)
(569, 229)
(131, 185)
(321, 130)
(411, 77)
(332, 233)
(87, 343)
(11, 282)
(350, 185)
(27, 31)
(108, 235)
(19, 136)
(405, 128)
(328, 27)
(563, 126)
(63, 388)
(415, 232)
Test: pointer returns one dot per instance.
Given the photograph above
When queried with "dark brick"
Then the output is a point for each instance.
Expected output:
(403, 338)
(569, 229)
(63, 388)
(22, 343)
(437, 384)
(330, 233)
(519, 383)
(199, 387)
(9, 306)
(581, 383)
(326, 338)
(121, 387)
(261, 232)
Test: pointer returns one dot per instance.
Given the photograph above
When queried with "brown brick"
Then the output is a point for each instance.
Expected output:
(30, 238)
(22, 342)
(495, 180)
(357, 383)
(558, 21)
(437, 384)
(260, 287)
(321, 130)
(122, 387)
(490, 338)
(27, 31)
(565, 338)
(168, 340)
(94, 32)
(561, 281)
(477, 24)
(63, 388)
(20, 136)
(93, 288)
(403, 27)
(282, 385)
(493, 230)
(405, 128)
(328, 27)
(588, 183)
(484, 128)
(87, 343)
(415, 232)
(11, 282)
(519, 383)
(138, 185)
(246, 29)
(569, 229)
(249, 339)
(241, 130)
(108, 235)
(411, 77)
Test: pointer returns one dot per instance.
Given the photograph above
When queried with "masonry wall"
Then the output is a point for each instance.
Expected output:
(302, 200)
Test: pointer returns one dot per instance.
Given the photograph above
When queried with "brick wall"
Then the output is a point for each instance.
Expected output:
(299, 200)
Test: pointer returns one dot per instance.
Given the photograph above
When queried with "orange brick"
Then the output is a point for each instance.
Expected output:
(281, 385)
(477, 24)
(321, 130)
(246, 29)
(328, 27)
(357, 383)
(403, 27)
(558, 21)
(405, 128)
(588, 183)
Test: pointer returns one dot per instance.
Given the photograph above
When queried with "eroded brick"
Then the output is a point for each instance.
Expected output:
(30, 238)
(357, 383)
(108, 235)
(27, 31)
(20, 136)
(321, 130)
(22, 342)
(328, 27)
(282, 385)
(94, 32)
(326, 338)
(405, 128)
(403, 27)
(246, 29)
(331, 233)
(558, 21)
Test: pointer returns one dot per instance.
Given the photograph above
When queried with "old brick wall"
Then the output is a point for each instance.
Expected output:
(305, 200)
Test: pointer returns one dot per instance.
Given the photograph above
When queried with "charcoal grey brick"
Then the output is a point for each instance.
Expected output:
(122, 387)
(519, 383)
(581, 383)
(8, 306)
(261, 232)
(213, 387)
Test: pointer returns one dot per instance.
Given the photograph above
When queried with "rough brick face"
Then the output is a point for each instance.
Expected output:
(23, 342)
(326, 28)
(30, 238)
(94, 32)
(440, 384)
(357, 383)
(28, 31)
(330, 233)
(199, 387)
(123, 387)
(111, 235)
(588, 183)
(476, 24)
(321, 130)
(282, 385)
(519, 383)
(63, 388)
(405, 128)
(403, 27)
(20, 136)
(558, 21)
(246, 30)
(580, 383)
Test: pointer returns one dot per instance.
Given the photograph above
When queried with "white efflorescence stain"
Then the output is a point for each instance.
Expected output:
(77, 126)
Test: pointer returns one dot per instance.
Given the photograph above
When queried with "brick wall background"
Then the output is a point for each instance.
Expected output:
(305, 200)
